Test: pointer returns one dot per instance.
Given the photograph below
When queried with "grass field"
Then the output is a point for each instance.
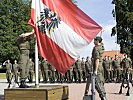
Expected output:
(2, 75)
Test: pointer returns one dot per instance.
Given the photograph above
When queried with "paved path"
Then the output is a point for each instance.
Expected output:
(76, 91)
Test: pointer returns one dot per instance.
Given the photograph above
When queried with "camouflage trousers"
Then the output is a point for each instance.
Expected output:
(23, 64)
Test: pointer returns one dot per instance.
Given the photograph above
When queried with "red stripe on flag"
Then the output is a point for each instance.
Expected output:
(75, 18)
(53, 53)
(32, 19)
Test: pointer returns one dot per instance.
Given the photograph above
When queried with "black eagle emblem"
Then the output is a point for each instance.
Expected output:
(48, 21)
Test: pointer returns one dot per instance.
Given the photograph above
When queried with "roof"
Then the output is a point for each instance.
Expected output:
(112, 53)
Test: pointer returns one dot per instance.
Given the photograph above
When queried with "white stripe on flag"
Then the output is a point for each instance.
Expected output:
(67, 39)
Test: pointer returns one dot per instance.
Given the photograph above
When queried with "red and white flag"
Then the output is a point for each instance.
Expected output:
(62, 31)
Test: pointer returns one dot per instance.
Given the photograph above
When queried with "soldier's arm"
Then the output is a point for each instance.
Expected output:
(97, 57)
(28, 33)
(97, 65)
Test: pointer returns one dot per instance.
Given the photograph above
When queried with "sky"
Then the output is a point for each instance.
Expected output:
(101, 12)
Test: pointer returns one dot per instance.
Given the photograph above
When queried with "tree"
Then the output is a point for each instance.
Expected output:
(14, 15)
(124, 19)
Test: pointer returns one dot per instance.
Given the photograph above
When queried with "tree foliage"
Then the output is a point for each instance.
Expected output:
(14, 15)
(124, 19)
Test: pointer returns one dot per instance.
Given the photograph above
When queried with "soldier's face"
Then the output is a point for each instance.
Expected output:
(96, 42)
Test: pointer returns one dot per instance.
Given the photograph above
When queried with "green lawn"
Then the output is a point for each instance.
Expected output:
(2, 75)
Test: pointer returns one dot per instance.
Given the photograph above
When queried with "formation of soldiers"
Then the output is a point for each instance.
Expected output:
(78, 72)
(114, 69)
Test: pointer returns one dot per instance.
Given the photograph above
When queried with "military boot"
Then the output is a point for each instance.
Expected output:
(23, 85)
(103, 98)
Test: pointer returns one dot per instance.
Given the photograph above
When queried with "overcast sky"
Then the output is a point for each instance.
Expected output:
(101, 12)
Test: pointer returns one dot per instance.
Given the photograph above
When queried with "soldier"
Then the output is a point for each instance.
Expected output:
(83, 69)
(52, 73)
(70, 74)
(106, 65)
(97, 66)
(104, 74)
(126, 65)
(24, 46)
(75, 75)
(31, 70)
(121, 69)
(8, 70)
(65, 77)
(45, 70)
(111, 70)
(59, 77)
(87, 67)
(116, 67)
(15, 70)
(79, 69)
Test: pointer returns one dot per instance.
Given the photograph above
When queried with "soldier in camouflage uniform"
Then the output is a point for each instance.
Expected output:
(75, 75)
(24, 46)
(111, 70)
(83, 69)
(45, 70)
(121, 69)
(15, 70)
(97, 65)
(52, 73)
(87, 67)
(106, 65)
(126, 65)
(116, 67)
(31, 70)
(70, 74)
(79, 70)
(8, 70)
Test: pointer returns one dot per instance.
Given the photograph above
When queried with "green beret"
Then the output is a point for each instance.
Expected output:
(98, 38)
(20, 32)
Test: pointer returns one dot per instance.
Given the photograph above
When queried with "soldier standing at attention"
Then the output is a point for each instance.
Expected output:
(126, 65)
(75, 73)
(31, 70)
(15, 70)
(70, 74)
(87, 67)
(24, 46)
(83, 69)
(45, 70)
(79, 69)
(8, 70)
(97, 65)
(116, 66)
(106, 65)
(52, 73)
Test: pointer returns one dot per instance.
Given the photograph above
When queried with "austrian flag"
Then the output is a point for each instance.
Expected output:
(62, 31)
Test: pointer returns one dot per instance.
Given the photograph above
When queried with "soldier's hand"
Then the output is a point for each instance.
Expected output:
(22, 35)
(95, 72)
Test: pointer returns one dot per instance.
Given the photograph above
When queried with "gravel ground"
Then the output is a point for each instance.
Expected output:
(76, 91)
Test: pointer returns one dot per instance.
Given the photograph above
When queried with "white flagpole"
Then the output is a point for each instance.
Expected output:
(36, 64)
